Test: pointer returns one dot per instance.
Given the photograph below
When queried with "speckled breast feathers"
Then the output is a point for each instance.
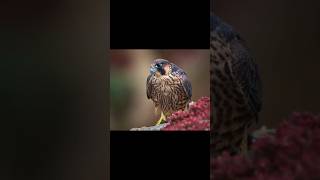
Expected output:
(168, 87)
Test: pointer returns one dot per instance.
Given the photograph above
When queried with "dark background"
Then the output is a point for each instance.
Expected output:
(284, 39)
(160, 24)
(53, 76)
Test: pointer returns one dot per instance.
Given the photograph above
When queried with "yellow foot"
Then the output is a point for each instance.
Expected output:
(162, 119)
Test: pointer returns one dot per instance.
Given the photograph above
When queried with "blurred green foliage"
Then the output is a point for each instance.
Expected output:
(120, 93)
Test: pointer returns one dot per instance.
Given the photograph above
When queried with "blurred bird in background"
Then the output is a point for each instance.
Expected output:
(235, 89)
(168, 87)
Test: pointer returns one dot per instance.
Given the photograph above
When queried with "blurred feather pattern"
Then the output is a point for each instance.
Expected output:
(236, 89)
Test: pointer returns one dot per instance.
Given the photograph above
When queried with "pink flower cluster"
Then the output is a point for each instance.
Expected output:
(292, 153)
(197, 118)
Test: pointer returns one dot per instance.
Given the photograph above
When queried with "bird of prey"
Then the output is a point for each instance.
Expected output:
(168, 87)
(235, 89)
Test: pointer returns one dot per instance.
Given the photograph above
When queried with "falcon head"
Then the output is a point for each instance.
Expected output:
(161, 67)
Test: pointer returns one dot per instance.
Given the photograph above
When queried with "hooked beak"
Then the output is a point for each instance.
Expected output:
(153, 69)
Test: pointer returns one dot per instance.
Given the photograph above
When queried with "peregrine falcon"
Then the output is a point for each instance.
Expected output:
(168, 87)
(235, 89)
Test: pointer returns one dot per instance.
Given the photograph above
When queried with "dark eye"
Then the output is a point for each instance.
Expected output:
(158, 65)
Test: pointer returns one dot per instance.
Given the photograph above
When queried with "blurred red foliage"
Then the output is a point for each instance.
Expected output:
(292, 153)
(197, 118)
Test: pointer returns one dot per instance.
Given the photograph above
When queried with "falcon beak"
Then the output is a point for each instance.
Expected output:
(153, 70)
